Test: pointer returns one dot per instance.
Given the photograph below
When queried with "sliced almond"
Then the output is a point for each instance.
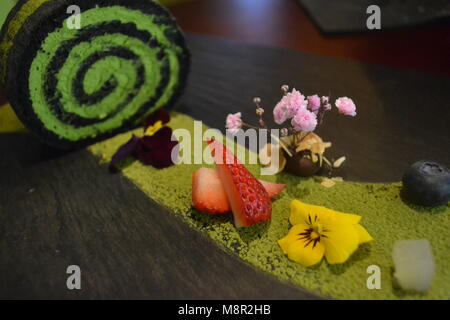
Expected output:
(328, 183)
(339, 162)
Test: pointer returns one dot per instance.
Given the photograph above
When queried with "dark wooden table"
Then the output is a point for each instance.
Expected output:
(284, 23)
(59, 209)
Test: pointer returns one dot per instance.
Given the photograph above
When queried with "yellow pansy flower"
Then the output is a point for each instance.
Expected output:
(319, 231)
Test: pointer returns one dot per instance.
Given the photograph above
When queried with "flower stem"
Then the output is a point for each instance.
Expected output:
(282, 144)
(249, 125)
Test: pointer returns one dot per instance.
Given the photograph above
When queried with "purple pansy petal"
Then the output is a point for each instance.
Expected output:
(160, 138)
(143, 154)
(158, 115)
(156, 152)
(126, 150)
(162, 158)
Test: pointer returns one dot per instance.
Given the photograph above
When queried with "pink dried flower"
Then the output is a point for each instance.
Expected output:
(280, 112)
(296, 101)
(314, 103)
(234, 122)
(305, 121)
(346, 106)
(289, 106)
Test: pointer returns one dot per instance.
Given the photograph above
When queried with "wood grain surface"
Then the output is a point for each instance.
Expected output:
(59, 209)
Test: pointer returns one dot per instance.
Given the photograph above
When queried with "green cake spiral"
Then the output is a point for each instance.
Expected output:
(76, 86)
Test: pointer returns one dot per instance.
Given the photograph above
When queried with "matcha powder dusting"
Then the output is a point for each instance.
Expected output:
(385, 216)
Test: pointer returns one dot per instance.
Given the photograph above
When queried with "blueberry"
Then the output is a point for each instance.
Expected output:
(427, 183)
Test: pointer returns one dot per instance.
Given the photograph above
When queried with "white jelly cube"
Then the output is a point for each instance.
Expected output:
(414, 264)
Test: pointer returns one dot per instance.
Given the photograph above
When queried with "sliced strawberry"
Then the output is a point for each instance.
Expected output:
(205, 181)
(273, 189)
(248, 199)
(207, 192)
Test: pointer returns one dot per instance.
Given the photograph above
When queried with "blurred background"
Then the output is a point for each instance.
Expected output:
(414, 33)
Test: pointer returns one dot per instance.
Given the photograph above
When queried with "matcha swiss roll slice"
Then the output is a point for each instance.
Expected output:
(78, 74)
